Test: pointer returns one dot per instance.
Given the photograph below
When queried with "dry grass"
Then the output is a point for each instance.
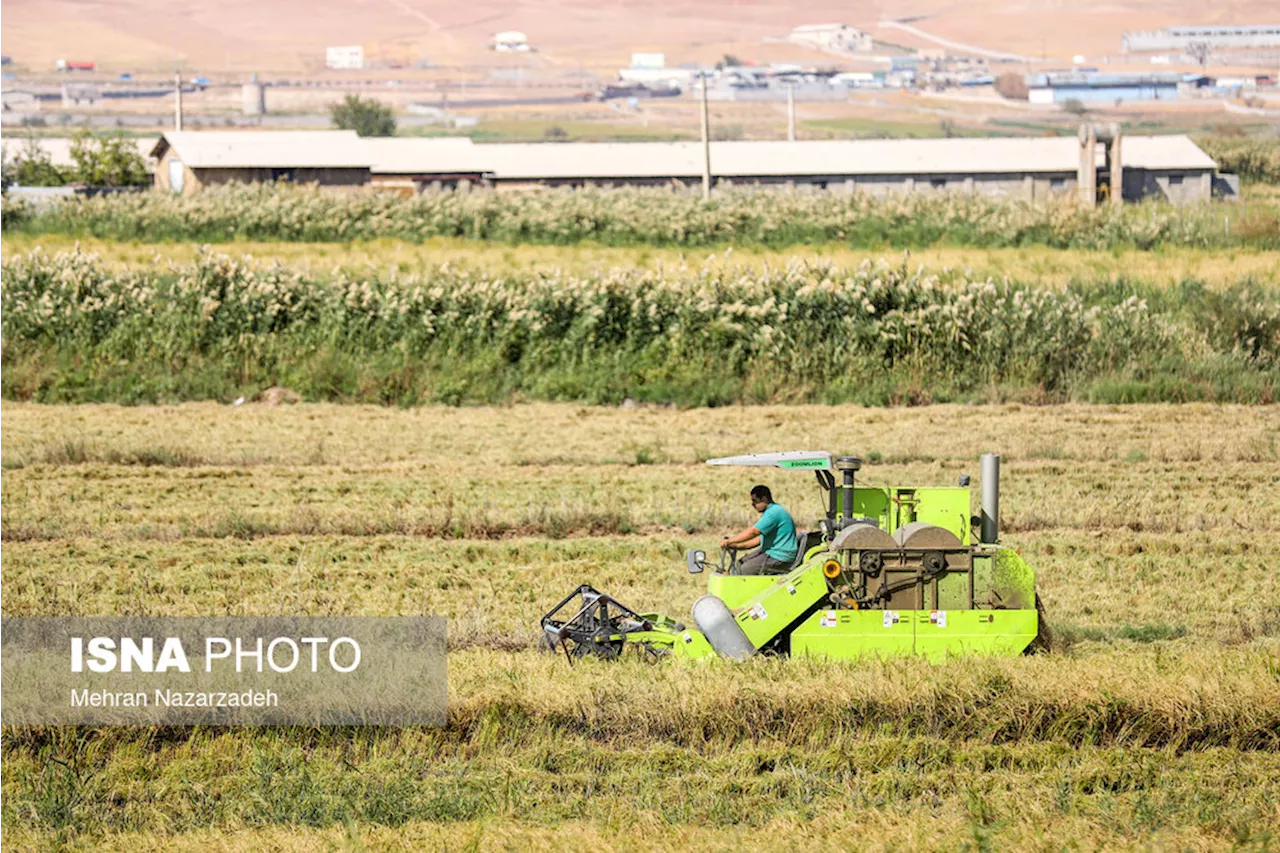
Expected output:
(1037, 264)
(544, 435)
(1153, 724)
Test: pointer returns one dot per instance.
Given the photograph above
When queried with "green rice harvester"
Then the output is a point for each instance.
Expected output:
(893, 570)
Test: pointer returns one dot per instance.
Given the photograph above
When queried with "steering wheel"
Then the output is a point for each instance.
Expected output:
(729, 556)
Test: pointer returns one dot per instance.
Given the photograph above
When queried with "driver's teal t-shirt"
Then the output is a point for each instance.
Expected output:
(777, 533)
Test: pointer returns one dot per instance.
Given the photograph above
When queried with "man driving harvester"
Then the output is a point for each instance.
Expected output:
(775, 533)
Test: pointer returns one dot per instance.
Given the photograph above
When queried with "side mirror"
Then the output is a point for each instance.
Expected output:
(697, 561)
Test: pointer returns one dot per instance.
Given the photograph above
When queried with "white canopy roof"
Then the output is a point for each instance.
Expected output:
(792, 460)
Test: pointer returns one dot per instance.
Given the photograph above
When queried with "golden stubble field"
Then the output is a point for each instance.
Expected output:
(1153, 723)
(486, 514)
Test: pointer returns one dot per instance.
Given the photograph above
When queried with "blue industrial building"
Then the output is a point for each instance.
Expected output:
(1102, 88)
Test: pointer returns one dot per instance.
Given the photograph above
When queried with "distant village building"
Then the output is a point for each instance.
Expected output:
(1030, 169)
(511, 41)
(15, 100)
(344, 58)
(1186, 38)
(858, 79)
(648, 60)
(79, 94)
(1102, 88)
(650, 69)
(840, 38)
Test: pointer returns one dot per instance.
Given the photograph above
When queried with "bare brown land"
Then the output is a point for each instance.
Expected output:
(289, 35)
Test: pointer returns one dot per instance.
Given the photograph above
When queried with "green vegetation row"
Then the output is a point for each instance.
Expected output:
(1254, 160)
(624, 217)
(76, 329)
(104, 161)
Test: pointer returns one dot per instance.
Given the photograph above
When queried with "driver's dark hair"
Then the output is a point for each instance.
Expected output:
(762, 493)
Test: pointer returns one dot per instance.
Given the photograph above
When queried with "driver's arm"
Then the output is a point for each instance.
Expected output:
(748, 537)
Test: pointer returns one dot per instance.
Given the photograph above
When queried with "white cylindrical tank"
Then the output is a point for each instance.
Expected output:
(254, 97)
(715, 621)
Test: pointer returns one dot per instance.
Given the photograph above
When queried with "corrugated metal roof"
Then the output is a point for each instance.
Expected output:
(439, 155)
(895, 157)
(591, 160)
(658, 160)
(279, 149)
(595, 161)
(1163, 152)
(779, 159)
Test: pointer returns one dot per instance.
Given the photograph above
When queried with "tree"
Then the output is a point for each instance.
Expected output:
(32, 167)
(107, 161)
(727, 132)
(1199, 52)
(1075, 106)
(366, 116)
(5, 170)
(1012, 86)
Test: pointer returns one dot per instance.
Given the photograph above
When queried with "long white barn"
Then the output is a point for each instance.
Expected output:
(1032, 169)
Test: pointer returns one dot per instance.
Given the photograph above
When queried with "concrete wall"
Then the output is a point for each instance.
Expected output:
(422, 183)
(352, 178)
(1031, 188)
(193, 180)
(189, 182)
(1023, 187)
(1109, 94)
(1179, 187)
(1176, 186)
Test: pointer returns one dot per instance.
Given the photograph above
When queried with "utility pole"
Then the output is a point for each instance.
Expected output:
(706, 144)
(791, 113)
(177, 100)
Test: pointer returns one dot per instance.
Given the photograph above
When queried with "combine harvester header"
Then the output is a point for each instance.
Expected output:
(889, 571)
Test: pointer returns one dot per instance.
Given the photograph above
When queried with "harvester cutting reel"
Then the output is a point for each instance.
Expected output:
(592, 623)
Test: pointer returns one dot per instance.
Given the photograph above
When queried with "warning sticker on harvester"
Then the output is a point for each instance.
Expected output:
(791, 589)
(758, 612)
(939, 618)
(688, 638)
(828, 619)
(890, 618)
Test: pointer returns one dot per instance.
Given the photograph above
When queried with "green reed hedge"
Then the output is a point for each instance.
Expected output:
(638, 217)
(76, 329)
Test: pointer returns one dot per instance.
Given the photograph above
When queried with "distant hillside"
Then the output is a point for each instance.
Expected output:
(290, 35)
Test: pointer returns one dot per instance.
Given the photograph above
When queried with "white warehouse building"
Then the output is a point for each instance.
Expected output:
(1031, 169)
